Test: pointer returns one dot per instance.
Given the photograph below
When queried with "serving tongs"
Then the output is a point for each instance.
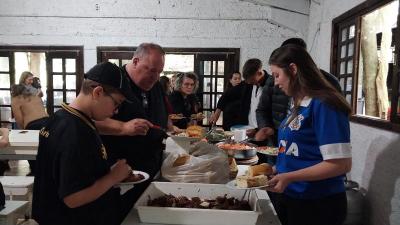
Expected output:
(212, 129)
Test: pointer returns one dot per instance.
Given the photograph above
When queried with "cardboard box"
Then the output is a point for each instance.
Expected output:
(169, 215)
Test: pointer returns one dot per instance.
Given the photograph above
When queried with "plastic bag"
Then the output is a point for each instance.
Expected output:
(207, 164)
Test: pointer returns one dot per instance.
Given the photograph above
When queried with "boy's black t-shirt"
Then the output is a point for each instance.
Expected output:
(71, 157)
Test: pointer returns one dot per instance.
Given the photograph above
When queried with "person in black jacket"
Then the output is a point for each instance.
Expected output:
(230, 108)
(183, 99)
(247, 95)
(274, 103)
(130, 133)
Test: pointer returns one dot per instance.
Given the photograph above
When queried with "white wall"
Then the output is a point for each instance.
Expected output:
(255, 29)
(376, 153)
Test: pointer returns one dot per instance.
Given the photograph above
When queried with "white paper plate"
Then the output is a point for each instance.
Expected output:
(232, 184)
(146, 177)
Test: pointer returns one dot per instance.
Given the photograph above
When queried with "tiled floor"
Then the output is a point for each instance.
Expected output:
(20, 168)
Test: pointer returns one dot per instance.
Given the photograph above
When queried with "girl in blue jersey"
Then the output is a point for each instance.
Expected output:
(314, 143)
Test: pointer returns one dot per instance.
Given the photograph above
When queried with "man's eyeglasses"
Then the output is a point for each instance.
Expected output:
(116, 103)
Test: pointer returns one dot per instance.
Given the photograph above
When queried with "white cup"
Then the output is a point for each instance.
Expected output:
(239, 135)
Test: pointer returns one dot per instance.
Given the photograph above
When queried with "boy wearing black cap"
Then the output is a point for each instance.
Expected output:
(74, 184)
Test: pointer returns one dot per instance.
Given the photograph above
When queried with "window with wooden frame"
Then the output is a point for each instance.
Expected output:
(365, 45)
(212, 65)
(60, 70)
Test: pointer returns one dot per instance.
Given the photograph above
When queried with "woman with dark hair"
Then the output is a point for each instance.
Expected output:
(234, 79)
(314, 143)
(183, 99)
(165, 85)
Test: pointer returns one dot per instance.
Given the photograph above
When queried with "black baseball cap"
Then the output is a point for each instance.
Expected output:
(110, 74)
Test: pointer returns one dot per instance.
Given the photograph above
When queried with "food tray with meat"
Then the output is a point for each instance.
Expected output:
(210, 198)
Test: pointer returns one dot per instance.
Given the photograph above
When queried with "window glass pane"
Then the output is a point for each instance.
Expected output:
(207, 115)
(342, 67)
(125, 61)
(71, 95)
(214, 67)
(70, 65)
(350, 66)
(348, 98)
(343, 51)
(220, 84)
(4, 64)
(115, 61)
(220, 119)
(56, 109)
(4, 80)
(351, 49)
(207, 67)
(352, 31)
(58, 82)
(206, 101)
(221, 65)
(5, 113)
(360, 106)
(341, 81)
(344, 34)
(379, 21)
(58, 97)
(70, 82)
(215, 103)
(207, 84)
(181, 63)
(57, 65)
(5, 97)
(349, 84)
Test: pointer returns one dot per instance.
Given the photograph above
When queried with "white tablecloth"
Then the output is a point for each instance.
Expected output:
(23, 145)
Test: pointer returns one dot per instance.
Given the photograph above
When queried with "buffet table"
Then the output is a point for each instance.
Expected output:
(23, 145)
(267, 216)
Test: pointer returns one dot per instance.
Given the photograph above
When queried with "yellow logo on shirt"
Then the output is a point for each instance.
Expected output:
(103, 152)
(44, 132)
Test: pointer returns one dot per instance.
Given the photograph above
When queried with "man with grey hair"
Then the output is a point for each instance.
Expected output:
(130, 133)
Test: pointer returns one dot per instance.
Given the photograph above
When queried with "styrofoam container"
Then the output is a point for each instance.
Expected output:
(169, 215)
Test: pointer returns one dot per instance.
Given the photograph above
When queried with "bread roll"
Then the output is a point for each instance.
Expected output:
(195, 131)
(262, 169)
(247, 182)
(181, 160)
(233, 169)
